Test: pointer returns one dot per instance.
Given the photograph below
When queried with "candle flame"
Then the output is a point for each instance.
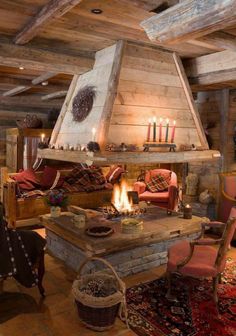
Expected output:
(167, 121)
(154, 119)
(149, 120)
(93, 130)
(174, 122)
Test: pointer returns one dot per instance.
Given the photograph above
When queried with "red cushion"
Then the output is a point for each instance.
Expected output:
(160, 197)
(163, 172)
(51, 178)
(114, 175)
(26, 179)
(200, 265)
(157, 183)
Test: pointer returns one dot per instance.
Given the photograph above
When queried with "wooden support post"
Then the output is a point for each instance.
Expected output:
(224, 121)
(4, 176)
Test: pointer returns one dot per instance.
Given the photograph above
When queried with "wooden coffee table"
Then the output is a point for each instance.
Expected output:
(128, 253)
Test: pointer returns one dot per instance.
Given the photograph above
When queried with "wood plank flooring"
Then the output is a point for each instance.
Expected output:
(23, 313)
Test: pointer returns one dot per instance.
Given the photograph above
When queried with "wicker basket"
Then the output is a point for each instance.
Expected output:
(30, 121)
(99, 313)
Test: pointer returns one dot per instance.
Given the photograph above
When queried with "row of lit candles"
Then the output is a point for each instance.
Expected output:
(154, 125)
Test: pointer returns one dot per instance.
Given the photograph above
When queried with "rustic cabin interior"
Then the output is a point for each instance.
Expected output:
(118, 167)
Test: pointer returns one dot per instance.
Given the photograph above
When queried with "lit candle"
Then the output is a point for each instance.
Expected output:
(173, 131)
(93, 134)
(167, 130)
(149, 130)
(160, 130)
(187, 212)
(154, 128)
(42, 137)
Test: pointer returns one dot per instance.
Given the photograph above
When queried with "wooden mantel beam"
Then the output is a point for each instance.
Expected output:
(42, 60)
(190, 19)
(52, 10)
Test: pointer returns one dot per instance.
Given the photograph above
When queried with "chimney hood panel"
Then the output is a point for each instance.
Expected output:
(134, 83)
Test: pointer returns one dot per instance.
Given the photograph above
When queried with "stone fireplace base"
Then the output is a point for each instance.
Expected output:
(128, 253)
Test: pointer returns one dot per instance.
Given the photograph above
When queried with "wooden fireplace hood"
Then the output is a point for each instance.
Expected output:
(133, 84)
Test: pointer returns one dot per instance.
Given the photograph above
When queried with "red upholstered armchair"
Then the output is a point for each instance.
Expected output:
(199, 258)
(227, 195)
(166, 199)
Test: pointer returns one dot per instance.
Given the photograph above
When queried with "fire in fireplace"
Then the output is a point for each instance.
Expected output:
(120, 198)
(122, 203)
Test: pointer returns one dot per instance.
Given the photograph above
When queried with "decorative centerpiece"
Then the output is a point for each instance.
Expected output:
(83, 103)
(131, 225)
(162, 143)
(56, 200)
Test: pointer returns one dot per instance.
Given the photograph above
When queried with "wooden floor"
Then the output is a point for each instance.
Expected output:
(22, 313)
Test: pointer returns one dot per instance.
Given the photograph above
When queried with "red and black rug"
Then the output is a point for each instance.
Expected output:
(193, 314)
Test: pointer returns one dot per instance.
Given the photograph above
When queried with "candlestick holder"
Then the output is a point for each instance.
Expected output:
(149, 144)
(42, 145)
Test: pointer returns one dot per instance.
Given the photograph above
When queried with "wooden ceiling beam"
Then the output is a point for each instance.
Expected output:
(44, 77)
(16, 90)
(190, 19)
(211, 69)
(220, 61)
(25, 101)
(51, 11)
(55, 95)
(220, 40)
(42, 60)
(22, 88)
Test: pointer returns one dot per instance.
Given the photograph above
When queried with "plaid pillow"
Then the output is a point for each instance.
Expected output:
(157, 183)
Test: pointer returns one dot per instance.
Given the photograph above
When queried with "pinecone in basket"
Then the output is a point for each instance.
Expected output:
(98, 288)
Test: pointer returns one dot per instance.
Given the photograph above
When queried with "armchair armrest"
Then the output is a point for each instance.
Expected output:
(139, 187)
(206, 242)
(213, 224)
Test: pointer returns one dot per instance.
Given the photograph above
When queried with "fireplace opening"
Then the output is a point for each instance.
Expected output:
(124, 202)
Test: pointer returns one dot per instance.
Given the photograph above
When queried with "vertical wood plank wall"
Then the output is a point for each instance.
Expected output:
(231, 161)
(214, 110)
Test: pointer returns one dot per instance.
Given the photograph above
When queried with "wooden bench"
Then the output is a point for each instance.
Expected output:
(25, 211)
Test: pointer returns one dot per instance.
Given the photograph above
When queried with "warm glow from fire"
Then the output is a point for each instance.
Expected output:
(120, 197)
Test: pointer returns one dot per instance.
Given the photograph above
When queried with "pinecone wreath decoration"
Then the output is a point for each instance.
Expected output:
(83, 103)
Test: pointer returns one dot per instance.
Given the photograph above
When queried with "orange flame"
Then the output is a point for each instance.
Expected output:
(120, 197)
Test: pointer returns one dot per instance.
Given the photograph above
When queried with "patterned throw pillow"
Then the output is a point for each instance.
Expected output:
(157, 183)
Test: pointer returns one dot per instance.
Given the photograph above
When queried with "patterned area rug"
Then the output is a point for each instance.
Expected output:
(193, 314)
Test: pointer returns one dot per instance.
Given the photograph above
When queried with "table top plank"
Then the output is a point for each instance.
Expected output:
(157, 227)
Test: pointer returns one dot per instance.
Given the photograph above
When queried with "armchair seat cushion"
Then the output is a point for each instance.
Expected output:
(200, 265)
(160, 197)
